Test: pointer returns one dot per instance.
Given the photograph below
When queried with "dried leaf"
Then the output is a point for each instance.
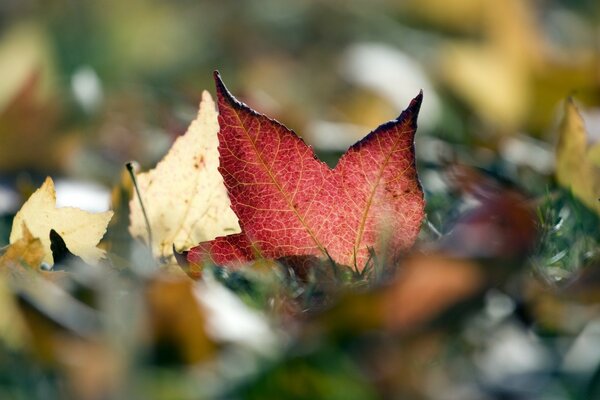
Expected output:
(25, 252)
(184, 195)
(291, 204)
(177, 320)
(427, 286)
(576, 165)
(81, 230)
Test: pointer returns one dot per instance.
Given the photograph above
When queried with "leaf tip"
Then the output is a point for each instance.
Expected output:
(415, 104)
(206, 97)
(48, 186)
(221, 89)
(224, 94)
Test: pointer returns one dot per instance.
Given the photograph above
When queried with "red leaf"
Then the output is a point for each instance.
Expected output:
(290, 203)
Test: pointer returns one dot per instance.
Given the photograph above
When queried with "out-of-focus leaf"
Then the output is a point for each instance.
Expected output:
(501, 226)
(27, 130)
(51, 314)
(22, 260)
(18, 261)
(427, 286)
(12, 328)
(27, 251)
(80, 230)
(511, 72)
(577, 167)
(25, 48)
(184, 196)
(177, 321)
(491, 85)
(559, 310)
(93, 369)
(30, 111)
(494, 76)
(461, 15)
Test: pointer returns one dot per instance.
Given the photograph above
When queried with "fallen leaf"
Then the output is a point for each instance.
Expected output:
(177, 320)
(506, 67)
(184, 196)
(13, 333)
(289, 203)
(27, 251)
(22, 260)
(52, 315)
(81, 230)
(427, 286)
(28, 128)
(501, 224)
(93, 368)
(576, 165)
(24, 48)
(459, 15)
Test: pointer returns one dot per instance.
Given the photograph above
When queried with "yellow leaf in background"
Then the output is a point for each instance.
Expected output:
(81, 230)
(506, 66)
(184, 196)
(30, 108)
(24, 49)
(577, 166)
(457, 15)
(493, 75)
(497, 89)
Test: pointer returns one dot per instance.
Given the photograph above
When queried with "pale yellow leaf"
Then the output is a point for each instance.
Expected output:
(496, 89)
(576, 161)
(81, 230)
(492, 73)
(184, 196)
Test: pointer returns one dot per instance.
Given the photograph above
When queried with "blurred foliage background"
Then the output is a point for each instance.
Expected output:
(86, 86)
(106, 82)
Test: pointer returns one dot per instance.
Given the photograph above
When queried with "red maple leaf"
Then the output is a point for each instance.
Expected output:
(289, 203)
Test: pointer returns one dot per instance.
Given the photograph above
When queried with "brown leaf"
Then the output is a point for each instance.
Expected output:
(427, 286)
(27, 252)
(176, 319)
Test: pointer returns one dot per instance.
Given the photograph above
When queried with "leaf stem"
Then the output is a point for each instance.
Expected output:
(131, 171)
